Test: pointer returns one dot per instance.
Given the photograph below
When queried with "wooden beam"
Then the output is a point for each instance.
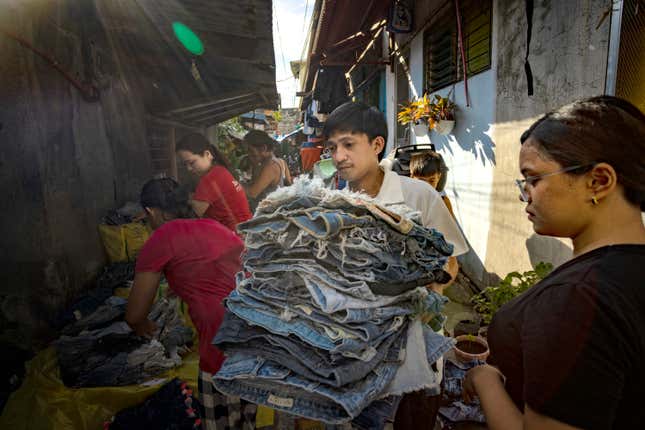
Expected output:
(207, 104)
(172, 123)
(173, 154)
(195, 116)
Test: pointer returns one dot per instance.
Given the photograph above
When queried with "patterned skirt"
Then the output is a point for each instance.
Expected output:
(222, 412)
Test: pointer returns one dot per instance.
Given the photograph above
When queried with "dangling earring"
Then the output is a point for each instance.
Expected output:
(594, 201)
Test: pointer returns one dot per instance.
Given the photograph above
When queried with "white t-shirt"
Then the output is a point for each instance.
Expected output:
(422, 197)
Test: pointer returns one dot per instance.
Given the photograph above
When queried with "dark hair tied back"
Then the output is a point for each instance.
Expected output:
(198, 144)
(599, 129)
(166, 194)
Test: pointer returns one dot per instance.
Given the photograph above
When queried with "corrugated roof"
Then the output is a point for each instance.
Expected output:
(342, 31)
(235, 74)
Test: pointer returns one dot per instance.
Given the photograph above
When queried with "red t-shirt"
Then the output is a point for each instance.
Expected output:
(225, 196)
(200, 258)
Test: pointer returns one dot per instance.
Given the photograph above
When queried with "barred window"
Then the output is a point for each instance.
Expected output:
(442, 57)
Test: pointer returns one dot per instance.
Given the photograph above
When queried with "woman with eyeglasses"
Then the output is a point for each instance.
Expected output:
(569, 352)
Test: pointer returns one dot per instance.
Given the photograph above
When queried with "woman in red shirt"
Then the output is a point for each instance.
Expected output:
(218, 195)
(199, 258)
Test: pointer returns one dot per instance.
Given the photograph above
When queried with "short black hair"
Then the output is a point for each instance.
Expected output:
(427, 163)
(259, 138)
(357, 117)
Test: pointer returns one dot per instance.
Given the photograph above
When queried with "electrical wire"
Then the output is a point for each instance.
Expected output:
(277, 27)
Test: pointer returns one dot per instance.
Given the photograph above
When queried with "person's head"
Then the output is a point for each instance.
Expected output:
(355, 135)
(429, 167)
(165, 200)
(198, 155)
(260, 145)
(600, 143)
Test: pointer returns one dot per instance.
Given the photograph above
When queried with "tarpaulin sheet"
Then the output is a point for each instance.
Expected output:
(43, 402)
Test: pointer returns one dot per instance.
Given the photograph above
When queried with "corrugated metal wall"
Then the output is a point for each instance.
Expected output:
(630, 82)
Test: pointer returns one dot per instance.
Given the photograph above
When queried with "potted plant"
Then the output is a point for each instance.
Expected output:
(438, 112)
(470, 347)
(442, 115)
(488, 302)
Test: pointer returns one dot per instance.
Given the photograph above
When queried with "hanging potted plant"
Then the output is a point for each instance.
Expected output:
(412, 113)
(441, 115)
(436, 113)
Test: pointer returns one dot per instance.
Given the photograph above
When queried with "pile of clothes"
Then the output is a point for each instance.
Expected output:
(130, 212)
(173, 407)
(331, 319)
(100, 349)
(113, 276)
(453, 409)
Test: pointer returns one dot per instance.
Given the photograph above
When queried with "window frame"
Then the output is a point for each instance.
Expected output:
(450, 36)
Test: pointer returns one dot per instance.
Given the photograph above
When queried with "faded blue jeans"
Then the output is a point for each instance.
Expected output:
(265, 382)
(236, 336)
(328, 338)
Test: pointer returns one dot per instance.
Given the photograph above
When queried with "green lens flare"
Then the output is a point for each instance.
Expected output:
(187, 38)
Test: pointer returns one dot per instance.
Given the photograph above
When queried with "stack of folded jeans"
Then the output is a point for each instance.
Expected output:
(102, 350)
(325, 321)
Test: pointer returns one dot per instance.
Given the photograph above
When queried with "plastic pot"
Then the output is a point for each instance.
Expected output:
(469, 348)
(444, 126)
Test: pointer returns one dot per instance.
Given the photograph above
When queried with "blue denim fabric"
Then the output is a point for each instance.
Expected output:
(454, 409)
(454, 374)
(396, 263)
(338, 200)
(317, 222)
(316, 335)
(377, 414)
(318, 274)
(290, 289)
(436, 344)
(236, 336)
(366, 330)
(264, 382)
(331, 300)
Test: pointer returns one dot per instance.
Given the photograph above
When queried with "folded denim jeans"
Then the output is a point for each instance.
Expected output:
(366, 330)
(377, 414)
(286, 291)
(258, 313)
(236, 336)
(262, 381)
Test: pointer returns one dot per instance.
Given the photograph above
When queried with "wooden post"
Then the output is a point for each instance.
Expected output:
(173, 155)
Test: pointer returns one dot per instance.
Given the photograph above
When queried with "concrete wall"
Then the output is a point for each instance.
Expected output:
(64, 161)
(568, 59)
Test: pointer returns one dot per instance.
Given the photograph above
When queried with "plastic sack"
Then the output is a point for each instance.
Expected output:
(44, 403)
(123, 242)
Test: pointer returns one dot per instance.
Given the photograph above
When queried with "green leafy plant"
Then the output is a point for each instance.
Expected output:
(488, 302)
(227, 144)
(430, 109)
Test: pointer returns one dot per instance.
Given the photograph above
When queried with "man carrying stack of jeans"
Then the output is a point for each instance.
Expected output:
(355, 136)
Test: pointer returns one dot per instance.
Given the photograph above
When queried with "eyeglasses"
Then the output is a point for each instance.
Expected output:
(530, 180)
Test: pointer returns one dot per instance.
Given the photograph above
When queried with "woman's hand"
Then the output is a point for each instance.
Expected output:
(146, 328)
(484, 374)
(142, 294)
